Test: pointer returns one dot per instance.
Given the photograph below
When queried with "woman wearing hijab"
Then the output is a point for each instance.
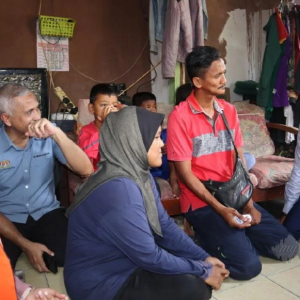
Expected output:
(121, 244)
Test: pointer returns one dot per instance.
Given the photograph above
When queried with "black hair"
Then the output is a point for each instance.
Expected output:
(102, 89)
(139, 98)
(183, 92)
(199, 60)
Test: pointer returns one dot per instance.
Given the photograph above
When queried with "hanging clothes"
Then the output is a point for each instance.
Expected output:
(289, 115)
(277, 116)
(281, 98)
(205, 19)
(157, 15)
(183, 31)
(288, 25)
(272, 56)
(296, 17)
(282, 31)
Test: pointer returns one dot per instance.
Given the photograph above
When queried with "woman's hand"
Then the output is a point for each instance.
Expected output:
(215, 262)
(45, 294)
(216, 277)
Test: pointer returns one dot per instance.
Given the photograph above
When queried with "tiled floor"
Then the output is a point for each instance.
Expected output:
(277, 281)
(32, 277)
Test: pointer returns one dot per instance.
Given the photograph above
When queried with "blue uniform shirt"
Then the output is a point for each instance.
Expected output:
(27, 177)
(292, 188)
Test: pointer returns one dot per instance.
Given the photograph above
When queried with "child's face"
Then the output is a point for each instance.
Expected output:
(103, 105)
(150, 105)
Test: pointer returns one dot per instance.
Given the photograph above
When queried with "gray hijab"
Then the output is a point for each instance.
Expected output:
(125, 139)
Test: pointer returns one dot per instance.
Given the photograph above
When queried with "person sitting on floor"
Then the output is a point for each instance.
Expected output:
(182, 93)
(103, 100)
(291, 210)
(202, 149)
(122, 244)
(12, 288)
(31, 219)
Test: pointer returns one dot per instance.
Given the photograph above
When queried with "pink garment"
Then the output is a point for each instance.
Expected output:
(183, 31)
(21, 287)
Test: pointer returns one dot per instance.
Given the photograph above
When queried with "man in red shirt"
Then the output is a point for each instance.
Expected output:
(201, 149)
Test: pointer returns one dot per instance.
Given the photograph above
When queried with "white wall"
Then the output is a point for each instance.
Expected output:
(244, 47)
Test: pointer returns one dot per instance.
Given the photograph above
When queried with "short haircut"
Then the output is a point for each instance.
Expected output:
(183, 92)
(199, 60)
(102, 89)
(139, 98)
(7, 94)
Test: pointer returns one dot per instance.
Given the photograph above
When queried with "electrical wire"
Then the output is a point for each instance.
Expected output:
(40, 7)
(53, 44)
(139, 79)
(59, 105)
(111, 80)
(152, 79)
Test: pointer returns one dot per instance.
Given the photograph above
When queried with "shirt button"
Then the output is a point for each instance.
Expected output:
(27, 204)
(26, 171)
(26, 186)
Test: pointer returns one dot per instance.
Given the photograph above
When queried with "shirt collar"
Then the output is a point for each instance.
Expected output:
(6, 141)
(196, 108)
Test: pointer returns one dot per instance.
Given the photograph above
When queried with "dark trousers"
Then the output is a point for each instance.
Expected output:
(50, 230)
(148, 286)
(292, 221)
(239, 249)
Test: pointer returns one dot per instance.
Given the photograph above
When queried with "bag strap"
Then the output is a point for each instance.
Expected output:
(236, 152)
(228, 129)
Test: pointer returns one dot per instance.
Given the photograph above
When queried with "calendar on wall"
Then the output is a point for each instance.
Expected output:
(52, 52)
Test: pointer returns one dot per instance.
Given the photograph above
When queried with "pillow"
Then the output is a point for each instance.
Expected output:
(255, 133)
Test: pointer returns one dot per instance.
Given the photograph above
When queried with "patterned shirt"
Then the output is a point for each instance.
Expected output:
(193, 136)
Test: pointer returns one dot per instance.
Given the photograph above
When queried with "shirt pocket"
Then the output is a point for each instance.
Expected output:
(41, 159)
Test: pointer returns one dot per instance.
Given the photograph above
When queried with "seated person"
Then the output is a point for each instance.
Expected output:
(103, 100)
(181, 94)
(201, 148)
(31, 219)
(148, 101)
(128, 248)
(291, 209)
(12, 288)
